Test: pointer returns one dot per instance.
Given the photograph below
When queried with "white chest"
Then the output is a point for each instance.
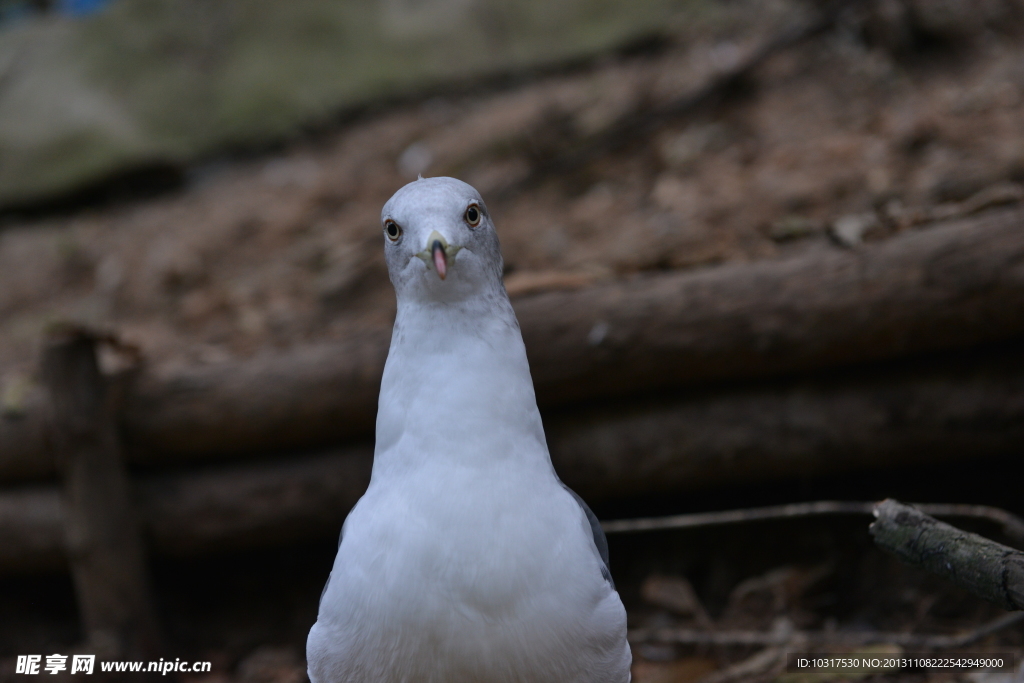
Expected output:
(504, 586)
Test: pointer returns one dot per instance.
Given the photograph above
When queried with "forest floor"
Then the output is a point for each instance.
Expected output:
(846, 137)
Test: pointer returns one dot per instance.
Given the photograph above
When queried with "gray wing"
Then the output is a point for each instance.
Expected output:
(599, 538)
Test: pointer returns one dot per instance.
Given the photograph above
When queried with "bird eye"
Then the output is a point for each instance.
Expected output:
(473, 215)
(393, 230)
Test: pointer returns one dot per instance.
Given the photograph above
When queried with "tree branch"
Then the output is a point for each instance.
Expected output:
(822, 638)
(983, 567)
(1011, 524)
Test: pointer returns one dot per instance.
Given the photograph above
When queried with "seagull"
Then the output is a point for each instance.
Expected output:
(467, 560)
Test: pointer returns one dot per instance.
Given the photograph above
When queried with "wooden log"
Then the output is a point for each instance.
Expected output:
(31, 530)
(246, 505)
(225, 508)
(307, 397)
(949, 286)
(987, 569)
(24, 444)
(102, 534)
(882, 419)
(941, 409)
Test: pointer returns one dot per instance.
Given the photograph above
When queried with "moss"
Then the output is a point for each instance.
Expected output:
(192, 76)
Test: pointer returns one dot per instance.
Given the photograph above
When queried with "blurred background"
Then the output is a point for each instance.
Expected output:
(763, 252)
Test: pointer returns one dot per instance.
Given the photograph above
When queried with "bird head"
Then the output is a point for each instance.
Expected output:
(439, 241)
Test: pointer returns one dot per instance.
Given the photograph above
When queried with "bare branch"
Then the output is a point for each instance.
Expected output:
(1011, 524)
(986, 568)
(821, 638)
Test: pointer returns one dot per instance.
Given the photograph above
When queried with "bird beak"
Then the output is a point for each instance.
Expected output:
(437, 253)
(440, 258)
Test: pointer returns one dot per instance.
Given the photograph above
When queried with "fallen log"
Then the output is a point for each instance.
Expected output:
(251, 505)
(952, 285)
(308, 397)
(31, 530)
(220, 509)
(24, 441)
(949, 286)
(942, 409)
(983, 567)
(877, 420)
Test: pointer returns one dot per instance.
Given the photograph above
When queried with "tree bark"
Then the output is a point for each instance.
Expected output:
(866, 420)
(24, 441)
(985, 568)
(102, 534)
(941, 409)
(948, 286)
(31, 530)
(250, 505)
(307, 397)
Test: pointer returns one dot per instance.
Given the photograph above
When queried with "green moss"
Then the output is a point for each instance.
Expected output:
(190, 76)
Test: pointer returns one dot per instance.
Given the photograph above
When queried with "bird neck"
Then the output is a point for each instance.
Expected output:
(457, 389)
(429, 325)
